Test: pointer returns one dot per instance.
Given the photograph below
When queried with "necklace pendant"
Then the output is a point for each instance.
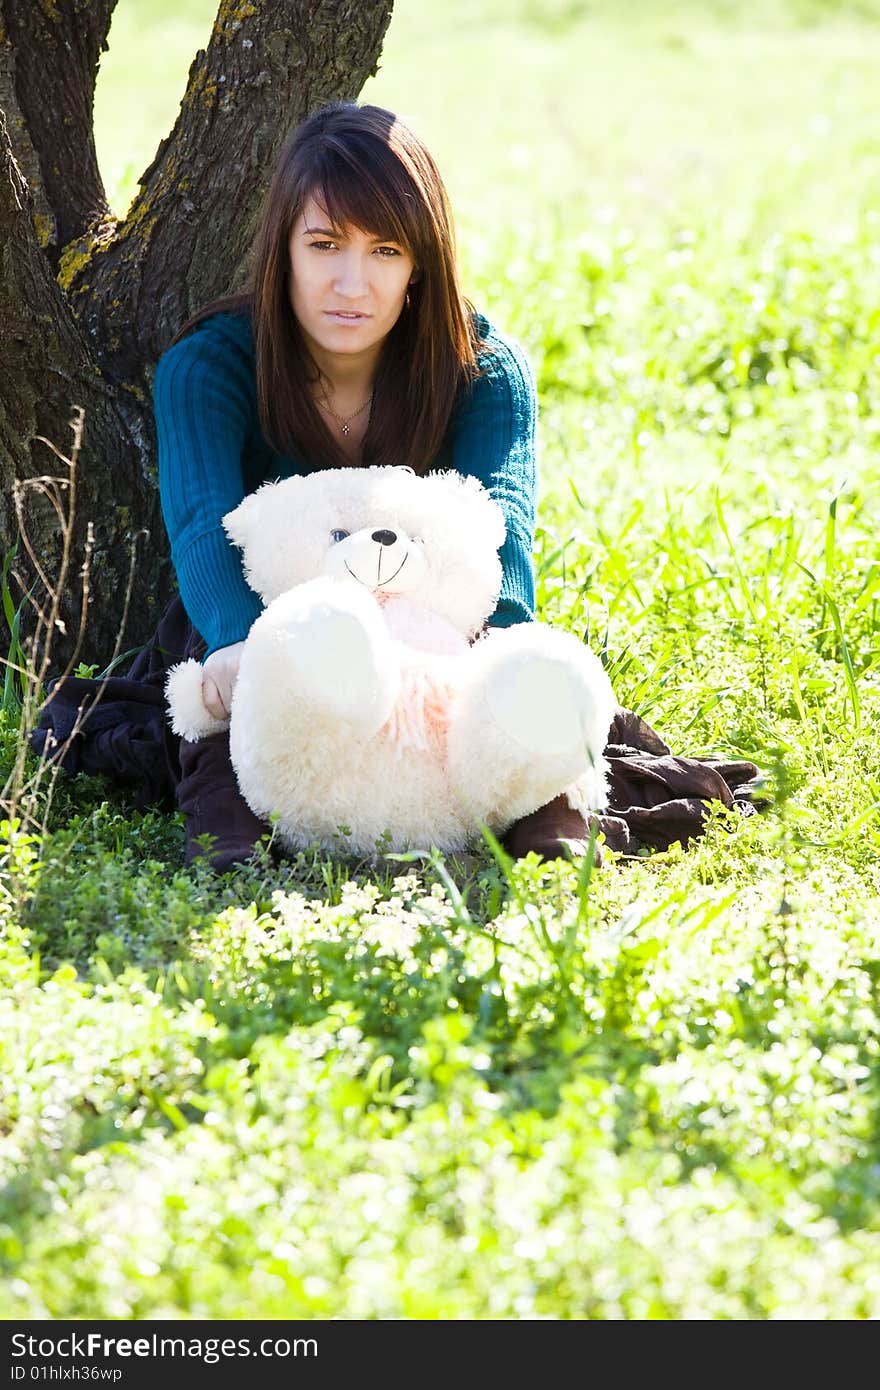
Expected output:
(345, 429)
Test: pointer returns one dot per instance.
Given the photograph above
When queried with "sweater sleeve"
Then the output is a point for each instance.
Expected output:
(493, 439)
(202, 396)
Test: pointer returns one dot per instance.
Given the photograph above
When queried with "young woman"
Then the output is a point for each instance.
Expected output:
(353, 345)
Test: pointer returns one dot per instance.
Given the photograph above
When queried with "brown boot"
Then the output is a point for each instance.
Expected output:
(212, 804)
(554, 831)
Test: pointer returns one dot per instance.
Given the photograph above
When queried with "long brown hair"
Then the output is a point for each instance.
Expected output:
(365, 168)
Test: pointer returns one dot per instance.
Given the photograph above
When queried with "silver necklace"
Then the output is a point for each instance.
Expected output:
(344, 423)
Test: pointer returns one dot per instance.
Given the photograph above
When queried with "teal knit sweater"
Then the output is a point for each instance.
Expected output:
(212, 454)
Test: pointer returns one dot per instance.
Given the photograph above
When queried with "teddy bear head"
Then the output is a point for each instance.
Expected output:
(433, 538)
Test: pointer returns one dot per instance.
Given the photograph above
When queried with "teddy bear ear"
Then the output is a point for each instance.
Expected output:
(484, 506)
(243, 522)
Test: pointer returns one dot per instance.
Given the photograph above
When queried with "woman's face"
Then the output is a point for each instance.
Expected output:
(347, 288)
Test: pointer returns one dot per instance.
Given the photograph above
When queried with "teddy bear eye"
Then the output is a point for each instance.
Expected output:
(339, 535)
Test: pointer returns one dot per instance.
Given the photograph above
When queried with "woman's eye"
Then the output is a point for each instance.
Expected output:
(323, 245)
(388, 251)
(339, 535)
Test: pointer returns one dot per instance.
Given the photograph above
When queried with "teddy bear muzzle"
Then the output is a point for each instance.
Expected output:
(384, 559)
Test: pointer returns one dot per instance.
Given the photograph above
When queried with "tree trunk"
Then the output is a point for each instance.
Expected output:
(87, 303)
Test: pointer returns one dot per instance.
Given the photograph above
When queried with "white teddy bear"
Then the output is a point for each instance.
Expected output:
(364, 709)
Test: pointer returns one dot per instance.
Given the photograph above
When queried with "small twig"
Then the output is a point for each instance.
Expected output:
(26, 802)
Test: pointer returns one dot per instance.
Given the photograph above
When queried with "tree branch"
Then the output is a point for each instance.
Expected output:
(189, 231)
(57, 45)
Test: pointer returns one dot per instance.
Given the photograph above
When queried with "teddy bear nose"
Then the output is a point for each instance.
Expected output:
(385, 537)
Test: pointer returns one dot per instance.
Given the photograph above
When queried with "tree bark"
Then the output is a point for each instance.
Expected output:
(91, 335)
(47, 370)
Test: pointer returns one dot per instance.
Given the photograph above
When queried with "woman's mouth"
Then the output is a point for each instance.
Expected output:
(345, 315)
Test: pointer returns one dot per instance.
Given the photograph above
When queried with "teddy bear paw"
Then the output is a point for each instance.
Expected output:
(541, 704)
(335, 660)
(187, 713)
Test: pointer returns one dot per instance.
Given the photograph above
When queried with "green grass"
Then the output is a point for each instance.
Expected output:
(430, 1090)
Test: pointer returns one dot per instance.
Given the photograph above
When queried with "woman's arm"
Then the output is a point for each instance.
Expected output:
(203, 394)
(493, 439)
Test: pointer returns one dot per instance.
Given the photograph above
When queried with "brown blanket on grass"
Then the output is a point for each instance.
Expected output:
(118, 728)
(656, 798)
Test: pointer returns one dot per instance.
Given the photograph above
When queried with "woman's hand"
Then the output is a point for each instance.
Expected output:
(219, 674)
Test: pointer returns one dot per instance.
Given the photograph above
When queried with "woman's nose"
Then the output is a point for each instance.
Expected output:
(351, 278)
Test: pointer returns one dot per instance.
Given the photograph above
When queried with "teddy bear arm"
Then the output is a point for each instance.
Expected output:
(322, 651)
